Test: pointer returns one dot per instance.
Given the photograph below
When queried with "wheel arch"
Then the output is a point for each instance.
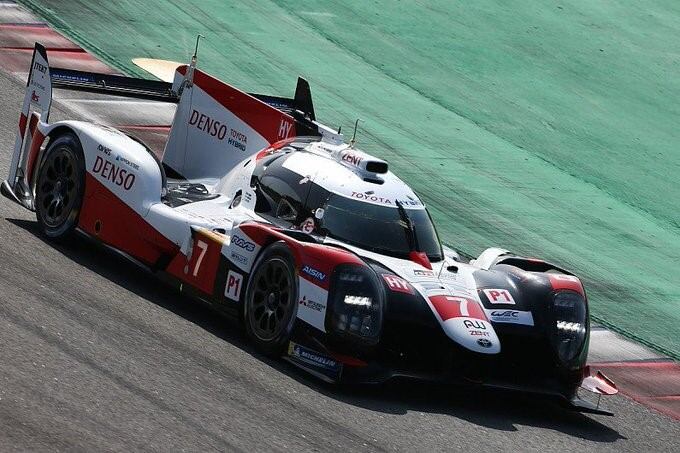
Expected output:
(49, 134)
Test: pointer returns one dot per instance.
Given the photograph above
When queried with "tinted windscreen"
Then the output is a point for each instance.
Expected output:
(379, 228)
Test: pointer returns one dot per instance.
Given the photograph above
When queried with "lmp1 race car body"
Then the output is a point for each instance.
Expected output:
(327, 258)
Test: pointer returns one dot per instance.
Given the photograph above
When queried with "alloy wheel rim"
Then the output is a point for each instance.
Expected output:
(271, 300)
(58, 187)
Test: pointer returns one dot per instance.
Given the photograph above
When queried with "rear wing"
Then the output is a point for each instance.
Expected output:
(42, 79)
(156, 90)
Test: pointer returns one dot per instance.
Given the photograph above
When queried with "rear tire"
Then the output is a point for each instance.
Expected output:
(60, 187)
(270, 307)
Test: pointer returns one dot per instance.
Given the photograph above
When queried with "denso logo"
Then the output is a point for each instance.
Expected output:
(240, 242)
(109, 170)
(314, 273)
(208, 125)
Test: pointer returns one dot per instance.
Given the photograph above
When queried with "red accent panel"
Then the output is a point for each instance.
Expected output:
(36, 142)
(206, 270)
(269, 122)
(22, 124)
(32, 123)
(451, 307)
(420, 258)
(598, 383)
(274, 148)
(321, 257)
(121, 226)
(568, 282)
(348, 360)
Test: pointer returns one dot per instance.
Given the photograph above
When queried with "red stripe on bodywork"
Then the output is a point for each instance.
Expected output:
(265, 119)
(120, 226)
(450, 307)
(32, 123)
(37, 139)
(323, 258)
(420, 258)
(274, 148)
(22, 124)
(206, 270)
(568, 282)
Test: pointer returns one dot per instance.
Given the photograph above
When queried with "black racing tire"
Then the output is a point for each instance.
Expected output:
(59, 187)
(270, 307)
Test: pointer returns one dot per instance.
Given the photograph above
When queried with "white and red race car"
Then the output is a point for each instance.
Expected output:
(328, 258)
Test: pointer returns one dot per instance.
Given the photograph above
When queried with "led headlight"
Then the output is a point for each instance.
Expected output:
(356, 304)
(570, 317)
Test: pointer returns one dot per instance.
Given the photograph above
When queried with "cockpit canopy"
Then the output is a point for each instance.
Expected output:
(300, 187)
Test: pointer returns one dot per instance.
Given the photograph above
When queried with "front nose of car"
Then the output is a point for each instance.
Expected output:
(464, 321)
(474, 334)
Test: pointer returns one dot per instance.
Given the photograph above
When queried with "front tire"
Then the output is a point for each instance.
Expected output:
(271, 300)
(60, 187)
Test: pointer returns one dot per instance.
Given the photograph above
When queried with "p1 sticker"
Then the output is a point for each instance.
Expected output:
(499, 296)
(233, 288)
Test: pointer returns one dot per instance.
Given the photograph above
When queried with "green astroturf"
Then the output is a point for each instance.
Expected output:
(549, 128)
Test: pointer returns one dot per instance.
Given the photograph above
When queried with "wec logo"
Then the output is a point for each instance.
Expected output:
(242, 243)
(505, 314)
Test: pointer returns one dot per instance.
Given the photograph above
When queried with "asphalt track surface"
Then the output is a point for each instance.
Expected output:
(97, 355)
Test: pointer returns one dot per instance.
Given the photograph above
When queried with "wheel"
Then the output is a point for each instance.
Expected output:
(60, 187)
(271, 300)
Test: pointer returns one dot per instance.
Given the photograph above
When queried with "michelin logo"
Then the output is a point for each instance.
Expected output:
(312, 357)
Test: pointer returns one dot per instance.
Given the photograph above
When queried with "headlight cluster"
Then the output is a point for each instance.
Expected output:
(569, 310)
(356, 304)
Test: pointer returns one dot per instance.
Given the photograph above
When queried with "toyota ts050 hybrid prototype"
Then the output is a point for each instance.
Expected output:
(328, 259)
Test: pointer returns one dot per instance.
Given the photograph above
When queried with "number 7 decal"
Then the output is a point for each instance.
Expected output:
(204, 247)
